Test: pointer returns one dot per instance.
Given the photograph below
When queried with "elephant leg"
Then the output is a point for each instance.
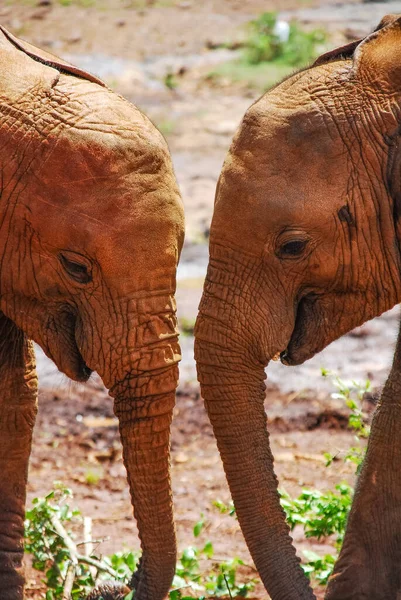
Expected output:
(18, 406)
(369, 565)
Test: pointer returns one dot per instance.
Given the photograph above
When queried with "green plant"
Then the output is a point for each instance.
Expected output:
(321, 515)
(187, 326)
(170, 81)
(69, 574)
(221, 579)
(166, 126)
(352, 394)
(318, 567)
(270, 52)
(93, 476)
(265, 43)
(51, 542)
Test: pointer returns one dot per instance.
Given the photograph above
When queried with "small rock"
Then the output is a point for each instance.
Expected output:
(15, 24)
(181, 458)
(74, 38)
(121, 22)
(44, 3)
(38, 15)
(54, 44)
(361, 332)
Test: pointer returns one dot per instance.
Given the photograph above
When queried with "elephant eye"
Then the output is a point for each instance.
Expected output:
(293, 248)
(78, 271)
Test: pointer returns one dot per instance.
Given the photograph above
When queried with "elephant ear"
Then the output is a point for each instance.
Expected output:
(349, 50)
(48, 59)
(340, 53)
(377, 60)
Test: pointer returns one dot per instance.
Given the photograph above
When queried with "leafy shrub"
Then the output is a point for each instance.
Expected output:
(48, 537)
(265, 43)
(56, 555)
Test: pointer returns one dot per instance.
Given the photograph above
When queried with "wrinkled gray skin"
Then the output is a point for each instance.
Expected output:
(91, 227)
(304, 246)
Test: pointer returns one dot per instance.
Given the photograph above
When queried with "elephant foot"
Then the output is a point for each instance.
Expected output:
(109, 591)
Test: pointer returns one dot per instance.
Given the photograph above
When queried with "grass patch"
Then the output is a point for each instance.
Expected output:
(272, 50)
(261, 76)
(166, 126)
(93, 476)
(81, 3)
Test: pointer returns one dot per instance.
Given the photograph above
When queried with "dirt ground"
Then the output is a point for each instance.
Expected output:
(134, 46)
(77, 442)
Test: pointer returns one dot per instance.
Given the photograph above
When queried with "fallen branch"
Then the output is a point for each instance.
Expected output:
(69, 581)
(76, 559)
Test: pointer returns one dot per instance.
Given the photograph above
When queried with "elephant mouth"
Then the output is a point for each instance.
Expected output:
(80, 370)
(62, 348)
(300, 346)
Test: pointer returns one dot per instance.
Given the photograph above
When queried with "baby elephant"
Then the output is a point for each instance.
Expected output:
(304, 246)
(91, 228)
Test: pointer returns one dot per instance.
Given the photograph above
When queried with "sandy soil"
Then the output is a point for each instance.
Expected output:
(134, 45)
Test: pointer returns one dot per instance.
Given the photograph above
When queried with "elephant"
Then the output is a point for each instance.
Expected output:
(304, 246)
(91, 229)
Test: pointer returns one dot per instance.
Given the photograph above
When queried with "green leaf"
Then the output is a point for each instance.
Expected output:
(199, 526)
(208, 549)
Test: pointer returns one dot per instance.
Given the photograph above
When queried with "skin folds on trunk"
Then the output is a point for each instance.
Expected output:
(145, 419)
(232, 385)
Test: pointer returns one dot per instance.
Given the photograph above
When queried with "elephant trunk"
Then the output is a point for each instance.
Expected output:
(232, 376)
(145, 419)
(142, 381)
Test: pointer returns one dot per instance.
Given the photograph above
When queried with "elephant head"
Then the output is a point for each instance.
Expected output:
(91, 228)
(304, 246)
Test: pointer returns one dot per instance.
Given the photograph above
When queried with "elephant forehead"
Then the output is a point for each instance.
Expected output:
(277, 176)
(276, 139)
(88, 195)
(267, 209)
(95, 151)
(283, 180)
(86, 208)
(286, 157)
(141, 262)
(307, 117)
(103, 170)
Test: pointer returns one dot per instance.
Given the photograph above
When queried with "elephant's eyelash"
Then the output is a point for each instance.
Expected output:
(292, 248)
(77, 271)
